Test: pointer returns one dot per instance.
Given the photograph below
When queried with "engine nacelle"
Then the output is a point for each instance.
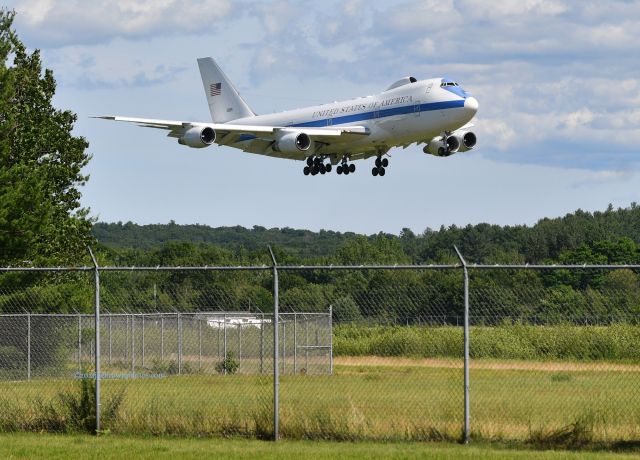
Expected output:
(292, 142)
(458, 141)
(442, 147)
(198, 137)
(466, 140)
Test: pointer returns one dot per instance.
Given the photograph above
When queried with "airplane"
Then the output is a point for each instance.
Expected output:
(436, 112)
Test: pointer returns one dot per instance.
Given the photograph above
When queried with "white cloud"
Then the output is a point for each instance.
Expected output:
(64, 22)
(588, 178)
(580, 117)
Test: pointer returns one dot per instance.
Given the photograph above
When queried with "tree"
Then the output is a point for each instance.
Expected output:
(41, 162)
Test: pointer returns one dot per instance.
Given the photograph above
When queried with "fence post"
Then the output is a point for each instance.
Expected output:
(97, 337)
(330, 339)
(179, 337)
(110, 343)
(466, 348)
(28, 346)
(143, 340)
(133, 346)
(262, 345)
(126, 337)
(79, 343)
(284, 347)
(239, 346)
(199, 343)
(306, 344)
(224, 325)
(295, 343)
(161, 338)
(276, 376)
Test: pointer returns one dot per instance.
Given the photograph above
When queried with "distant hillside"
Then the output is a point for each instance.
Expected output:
(547, 240)
(303, 243)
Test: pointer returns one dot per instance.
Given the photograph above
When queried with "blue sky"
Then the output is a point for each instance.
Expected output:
(558, 84)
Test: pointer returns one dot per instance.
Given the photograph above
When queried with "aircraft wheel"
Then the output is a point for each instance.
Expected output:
(374, 171)
(306, 170)
(322, 169)
(314, 171)
(378, 162)
(328, 167)
(309, 161)
(352, 168)
(339, 169)
(441, 151)
(382, 172)
(345, 170)
(385, 162)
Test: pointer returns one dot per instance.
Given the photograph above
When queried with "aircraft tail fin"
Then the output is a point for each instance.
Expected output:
(225, 104)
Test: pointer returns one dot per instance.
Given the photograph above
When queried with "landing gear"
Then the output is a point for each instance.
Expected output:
(379, 169)
(315, 166)
(346, 168)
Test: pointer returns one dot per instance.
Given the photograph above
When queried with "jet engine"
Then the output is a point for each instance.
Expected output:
(292, 142)
(466, 140)
(458, 141)
(198, 137)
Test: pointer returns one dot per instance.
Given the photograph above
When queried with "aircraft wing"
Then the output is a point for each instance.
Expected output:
(229, 133)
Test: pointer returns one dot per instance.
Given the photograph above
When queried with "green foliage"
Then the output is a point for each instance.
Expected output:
(228, 365)
(72, 411)
(41, 163)
(581, 237)
(523, 342)
(170, 367)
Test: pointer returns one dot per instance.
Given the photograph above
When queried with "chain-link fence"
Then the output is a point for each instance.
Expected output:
(534, 354)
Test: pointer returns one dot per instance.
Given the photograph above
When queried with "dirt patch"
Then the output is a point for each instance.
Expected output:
(548, 366)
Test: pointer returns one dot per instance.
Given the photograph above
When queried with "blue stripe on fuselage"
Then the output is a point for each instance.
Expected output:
(382, 113)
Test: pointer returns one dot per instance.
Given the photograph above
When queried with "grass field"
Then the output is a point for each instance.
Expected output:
(14, 446)
(559, 404)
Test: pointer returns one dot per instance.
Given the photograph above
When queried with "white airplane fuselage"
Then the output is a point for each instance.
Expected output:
(436, 112)
(414, 112)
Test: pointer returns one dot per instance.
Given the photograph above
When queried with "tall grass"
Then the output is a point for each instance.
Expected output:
(357, 402)
(617, 342)
(72, 410)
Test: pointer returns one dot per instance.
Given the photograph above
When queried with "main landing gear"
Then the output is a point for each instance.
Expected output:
(346, 168)
(379, 169)
(316, 165)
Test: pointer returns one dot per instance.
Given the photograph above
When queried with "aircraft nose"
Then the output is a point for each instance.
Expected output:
(471, 105)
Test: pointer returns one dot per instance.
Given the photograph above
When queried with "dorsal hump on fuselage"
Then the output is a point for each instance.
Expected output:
(403, 81)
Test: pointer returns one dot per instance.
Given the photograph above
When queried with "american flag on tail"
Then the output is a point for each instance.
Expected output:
(215, 89)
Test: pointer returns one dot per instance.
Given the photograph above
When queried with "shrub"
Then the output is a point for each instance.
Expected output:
(170, 367)
(228, 365)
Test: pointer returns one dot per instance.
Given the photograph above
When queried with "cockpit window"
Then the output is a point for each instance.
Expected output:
(448, 83)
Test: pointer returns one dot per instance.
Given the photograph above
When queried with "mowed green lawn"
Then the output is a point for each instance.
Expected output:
(362, 401)
(14, 446)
